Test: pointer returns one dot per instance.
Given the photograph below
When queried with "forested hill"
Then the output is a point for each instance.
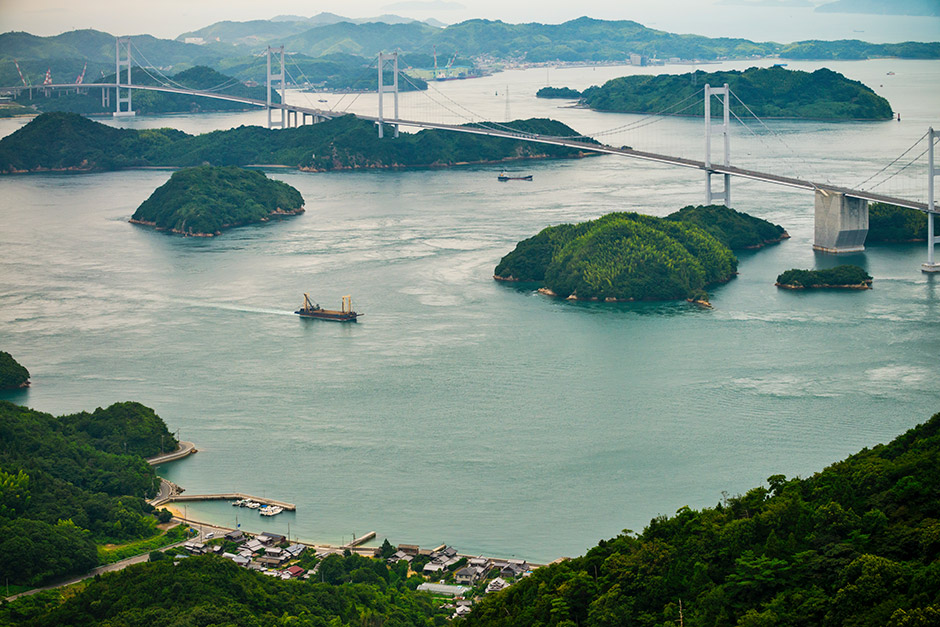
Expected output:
(630, 256)
(66, 141)
(204, 200)
(769, 92)
(856, 544)
(68, 482)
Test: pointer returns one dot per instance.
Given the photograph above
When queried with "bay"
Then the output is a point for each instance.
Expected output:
(460, 409)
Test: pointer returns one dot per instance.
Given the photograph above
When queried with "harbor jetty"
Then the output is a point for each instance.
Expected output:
(228, 496)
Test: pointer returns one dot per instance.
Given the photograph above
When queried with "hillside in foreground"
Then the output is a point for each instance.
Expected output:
(857, 544)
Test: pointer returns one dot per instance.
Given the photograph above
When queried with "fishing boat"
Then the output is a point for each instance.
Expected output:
(504, 176)
(311, 310)
(271, 510)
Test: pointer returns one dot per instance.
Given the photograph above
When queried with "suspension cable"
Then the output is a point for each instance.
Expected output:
(898, 158)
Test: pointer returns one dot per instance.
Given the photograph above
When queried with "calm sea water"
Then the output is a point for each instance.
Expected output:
(459, 409)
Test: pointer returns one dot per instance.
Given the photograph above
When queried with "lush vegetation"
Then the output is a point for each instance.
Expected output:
(69, 141)
(111, 554)
(840, 276)
(12, 374)
(213, 591)
(627, 256)
(769, 92)
(621, 256)
(855, 50)
(68, 482)
(736, 230)
(889, 223)
(558, 92)
(856, 544)
(205, 199)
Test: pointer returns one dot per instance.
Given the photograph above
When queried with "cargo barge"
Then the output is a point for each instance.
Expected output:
(346, 314)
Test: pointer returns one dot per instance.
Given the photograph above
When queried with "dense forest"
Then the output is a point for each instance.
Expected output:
(734, 229)
(69, 482)
(774, 92)
(211, 590)
(13, 375)
(844, 276)
(629, 256)
(203, 200)
(857, 544)
(889, 223)
(66, 141)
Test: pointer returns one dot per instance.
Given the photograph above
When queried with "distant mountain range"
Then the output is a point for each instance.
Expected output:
(232, 47)
(251, 32)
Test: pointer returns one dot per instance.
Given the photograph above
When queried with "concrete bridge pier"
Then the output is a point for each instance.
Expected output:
(841, 222)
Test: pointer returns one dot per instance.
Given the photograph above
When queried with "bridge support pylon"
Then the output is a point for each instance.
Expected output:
(932, 172)
(841, 222)
(383, 88)
(278, 76)
(122, 58)
(723, 196)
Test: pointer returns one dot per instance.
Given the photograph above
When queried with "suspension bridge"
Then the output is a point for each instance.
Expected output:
(841, 213)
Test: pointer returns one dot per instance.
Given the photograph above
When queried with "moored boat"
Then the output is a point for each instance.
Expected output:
(311, 310)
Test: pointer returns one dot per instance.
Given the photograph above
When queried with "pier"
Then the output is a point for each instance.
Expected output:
(360, 540)
(228, 496)
(185, 449)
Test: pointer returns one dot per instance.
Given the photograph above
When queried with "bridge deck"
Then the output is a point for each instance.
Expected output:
(555, 141)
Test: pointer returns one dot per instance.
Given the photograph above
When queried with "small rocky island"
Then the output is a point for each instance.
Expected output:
(204, 200)
(847, 277)
(12, 375)
(633, 257)
(565, 93)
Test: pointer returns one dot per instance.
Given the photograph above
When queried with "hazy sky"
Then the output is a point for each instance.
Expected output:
(779, 20)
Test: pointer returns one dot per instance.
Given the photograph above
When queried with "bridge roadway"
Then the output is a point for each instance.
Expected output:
(555, 141)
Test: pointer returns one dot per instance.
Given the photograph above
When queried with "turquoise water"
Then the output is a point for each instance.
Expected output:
(460, 409)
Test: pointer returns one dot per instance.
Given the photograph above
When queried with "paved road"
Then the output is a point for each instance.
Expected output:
(137, 559)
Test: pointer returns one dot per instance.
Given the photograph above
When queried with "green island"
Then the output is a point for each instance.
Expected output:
(71, 483)
(69, 142)
(12, 374)
(892, 224)
(841, 277)
(856, 544)
(204, 200)
(558, 92)
(631, 257)
(773, 92)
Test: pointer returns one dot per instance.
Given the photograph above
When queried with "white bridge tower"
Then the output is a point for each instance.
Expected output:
(279, 76)
(122, 57)
(385, 59)
(724, 196)
(932, 172)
